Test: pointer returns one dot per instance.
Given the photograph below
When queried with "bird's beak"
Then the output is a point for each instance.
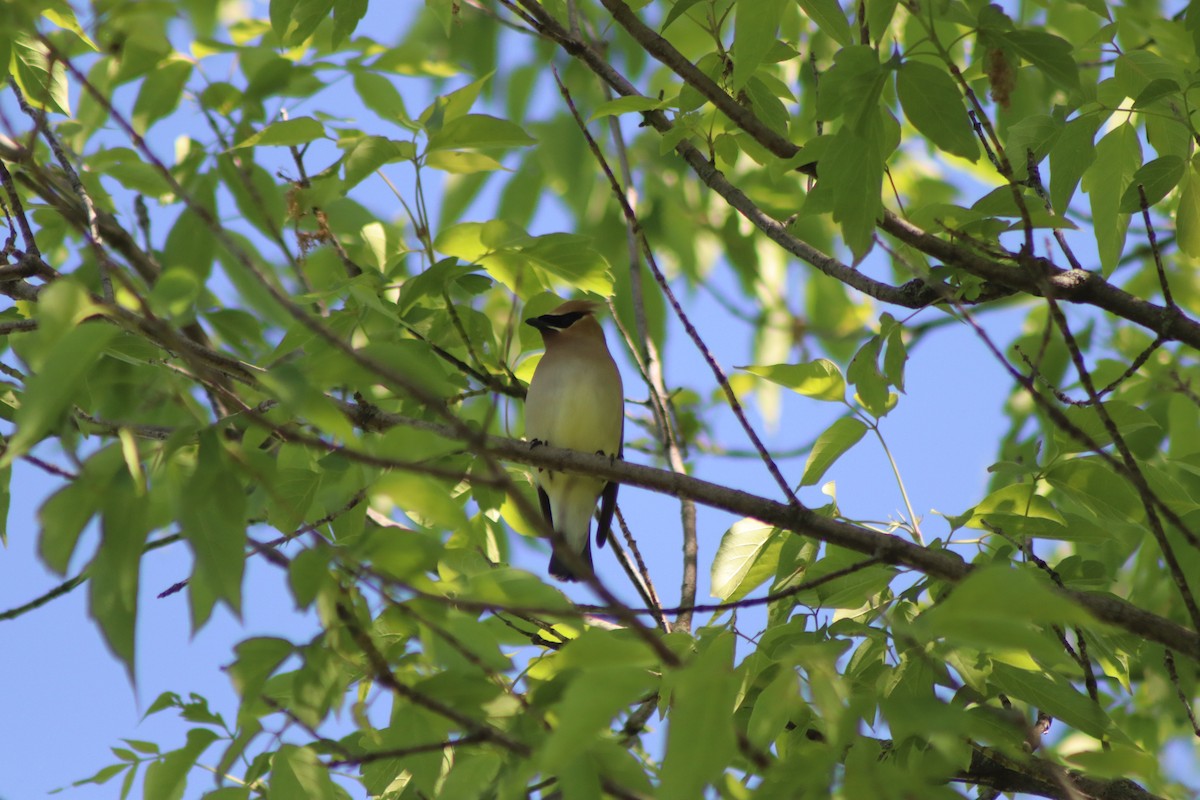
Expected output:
(541, 323)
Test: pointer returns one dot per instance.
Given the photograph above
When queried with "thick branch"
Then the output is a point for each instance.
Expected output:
(1071, 285)
(1040, 777)
(941, 564)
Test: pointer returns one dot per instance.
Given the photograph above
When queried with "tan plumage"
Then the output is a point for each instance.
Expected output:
(575, 401)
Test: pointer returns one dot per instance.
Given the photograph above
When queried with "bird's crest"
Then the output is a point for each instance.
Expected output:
(577, 307)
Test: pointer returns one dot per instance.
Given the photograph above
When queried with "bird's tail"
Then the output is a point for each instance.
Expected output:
(559, 568)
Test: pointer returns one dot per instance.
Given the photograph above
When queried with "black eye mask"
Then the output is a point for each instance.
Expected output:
(555, 322)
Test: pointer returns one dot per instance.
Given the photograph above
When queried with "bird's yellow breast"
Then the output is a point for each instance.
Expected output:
(576, 403)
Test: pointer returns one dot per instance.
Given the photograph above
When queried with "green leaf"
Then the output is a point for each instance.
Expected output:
(626, 105)
(829, 447)
(933, 104)
(743, 560)
(166, 778)
(64, 17)
(113, 588)
(190, 242)
(295, 20)
(290, 496)
(1187, 216)
(507, 253)
(677, 10)
(1157, 178)
(895, 356)
(479, 131)
(174, 293)
(850, 591)
(588, 706)
(372, 152)
(774, 708)
(1118, 156)
(300, 130)
(1070, 157)
(308, 574)
(5, 501)
(149, 748)
(571, 258)
(871, 385)
(462, 163)
(381, 96)
(161, 91)
(215, 531)
(1049, 53)
(1057, 697)
(449, 107)
(1117, 762)
(1155, 90)
(1097, 487)
(297, 772)
(754, 28)
(473, 775)
(426, 500)
(879, 16)
(853, 170)
(104, 775)
(131, 170)
(596, 648)
(1018, 510)
(831, 19)
(346, 16)
(229, 793)
(1136, 70)
(1137, 426)
(851, 86)
(41, 77)
(700, 738)
(1016, 628)
(64, 514)
(820, 379)
(51, 392)
(1033, 136)
(257, 658)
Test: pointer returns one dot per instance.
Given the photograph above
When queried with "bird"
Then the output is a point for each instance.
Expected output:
(576, 401)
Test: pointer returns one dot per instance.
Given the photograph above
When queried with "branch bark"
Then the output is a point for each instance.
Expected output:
(941, 564)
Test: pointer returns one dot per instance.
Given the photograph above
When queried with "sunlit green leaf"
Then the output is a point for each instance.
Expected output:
(479, 131)
(743, 560)
(300, 130)
(626, 105)
(1118, 156)
(820, 379)
(829, 447)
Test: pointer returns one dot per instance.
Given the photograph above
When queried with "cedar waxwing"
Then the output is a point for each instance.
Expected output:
(575, 401)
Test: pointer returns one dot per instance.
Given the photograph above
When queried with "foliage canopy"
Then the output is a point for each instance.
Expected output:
(217, 339)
